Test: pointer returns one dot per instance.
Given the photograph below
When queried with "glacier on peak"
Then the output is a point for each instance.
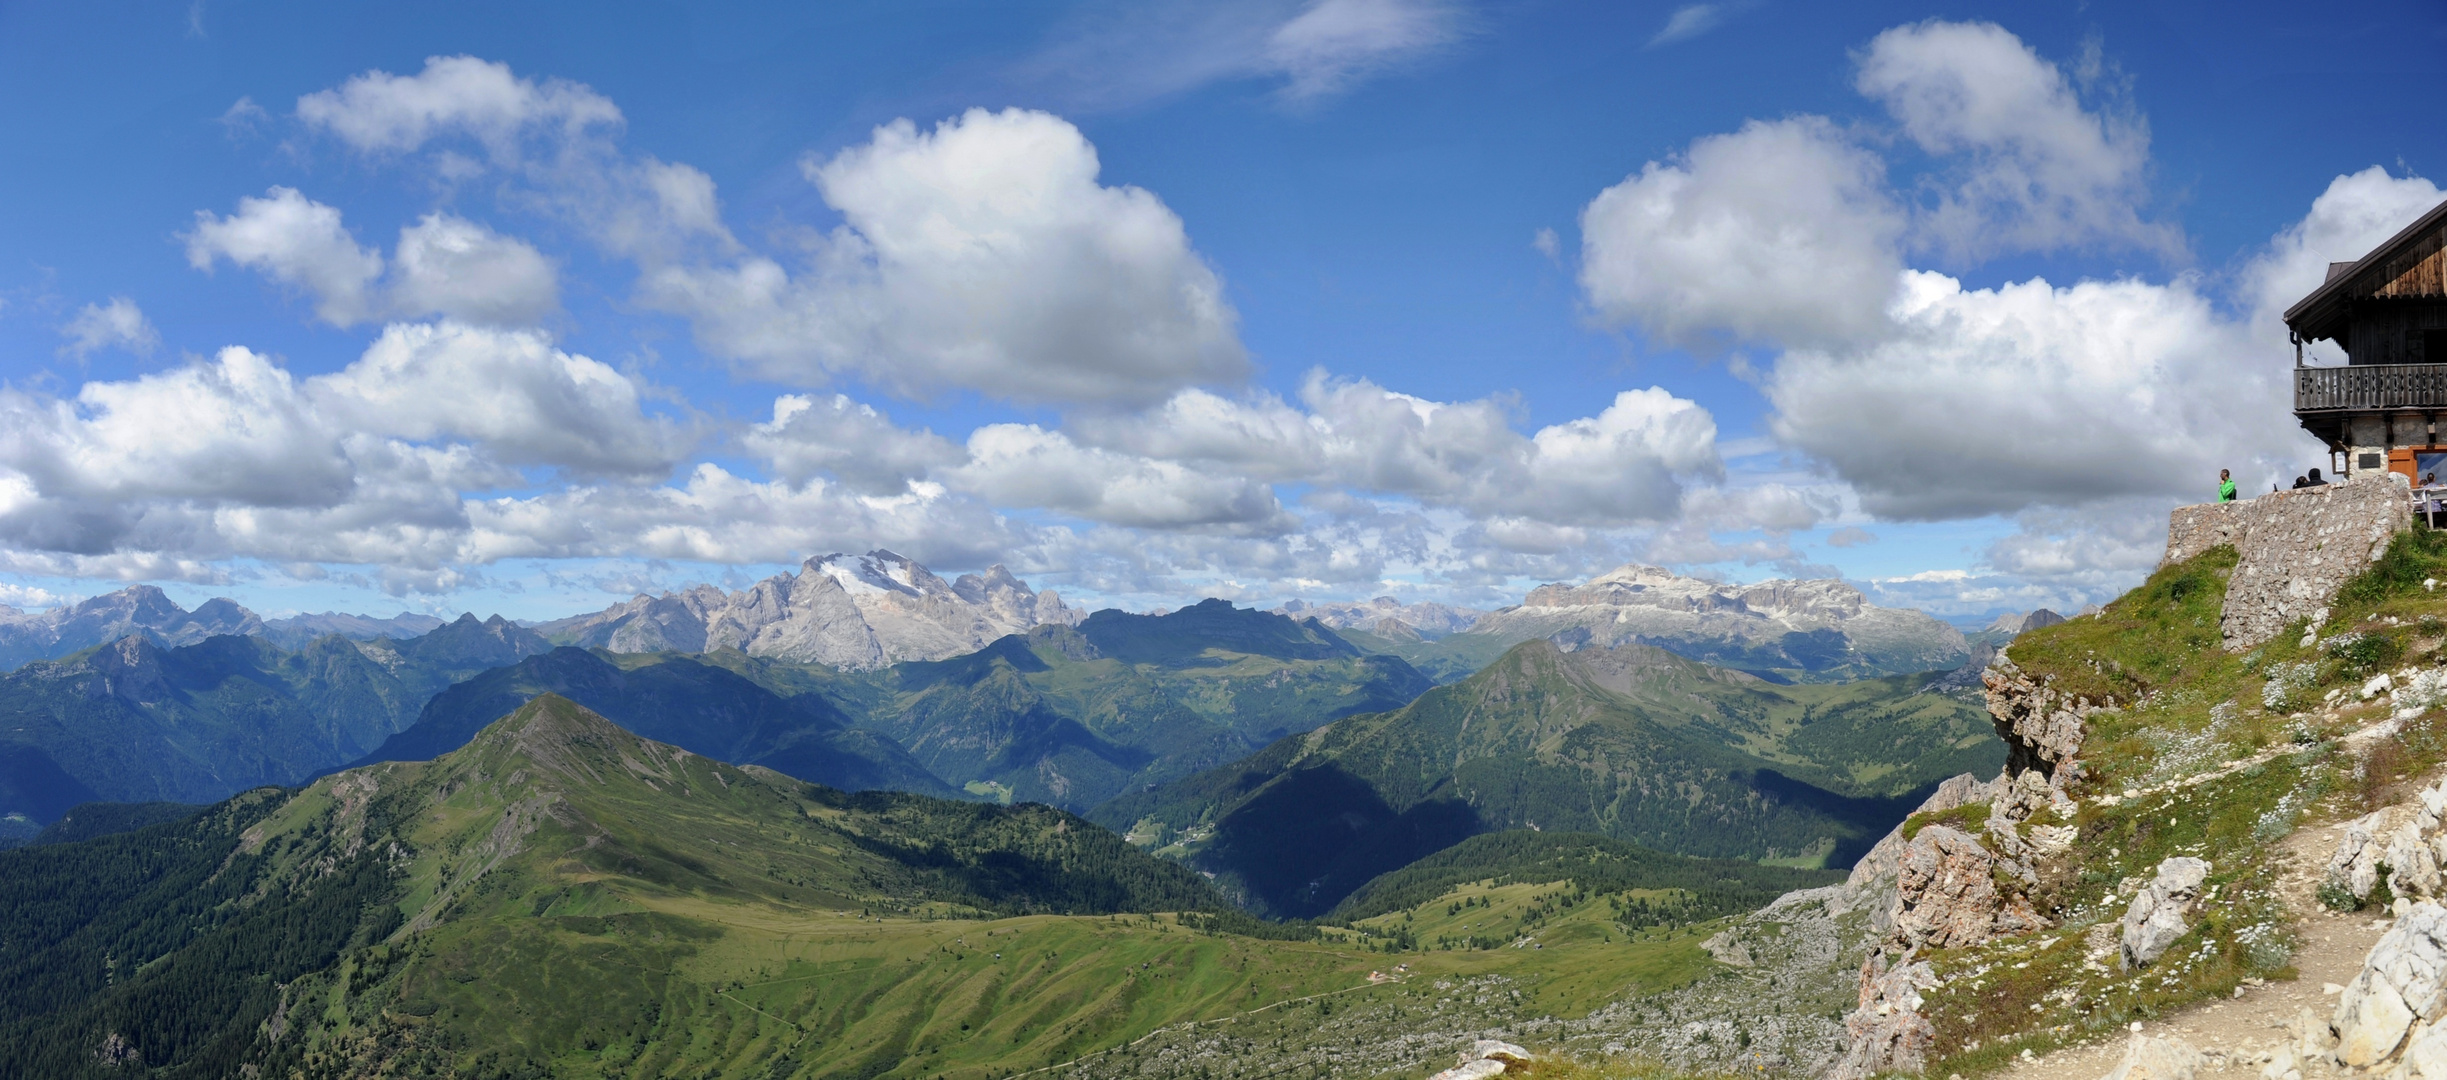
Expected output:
(856, 612)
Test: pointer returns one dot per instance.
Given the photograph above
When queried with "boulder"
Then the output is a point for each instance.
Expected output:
(1493, 1050)
(1482, 1069)
(2160, 913)
(2148, 1057)
(2402, 982)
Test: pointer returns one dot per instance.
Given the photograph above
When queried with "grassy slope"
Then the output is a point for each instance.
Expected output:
(1634, 743)
(563, 898)
(2187, 706)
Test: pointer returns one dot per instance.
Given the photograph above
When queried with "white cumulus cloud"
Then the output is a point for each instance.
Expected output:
(454, 267)
(983, 254)
(508, 391)
(1781, 231)
(849, 441)
(1023, 465)
(384, 113)
(1991, 400)
(444, 265)
(117, 324)
(299, 243)
(2035, 170)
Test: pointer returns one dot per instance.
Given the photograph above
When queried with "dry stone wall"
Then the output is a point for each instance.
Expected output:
(2298, 548)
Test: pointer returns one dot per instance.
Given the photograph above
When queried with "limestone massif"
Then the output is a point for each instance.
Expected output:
(1387, 616)
(1822, 628)
(856, 612)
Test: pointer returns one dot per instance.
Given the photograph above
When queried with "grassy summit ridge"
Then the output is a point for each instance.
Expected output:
(560, 897)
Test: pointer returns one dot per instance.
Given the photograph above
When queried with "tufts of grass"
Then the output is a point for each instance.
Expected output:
(2142, 641)
(2414, 555)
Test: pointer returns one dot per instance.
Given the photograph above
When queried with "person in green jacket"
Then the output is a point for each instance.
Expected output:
(2226, 486)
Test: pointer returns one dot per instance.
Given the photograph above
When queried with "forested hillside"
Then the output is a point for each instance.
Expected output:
(1633, 742)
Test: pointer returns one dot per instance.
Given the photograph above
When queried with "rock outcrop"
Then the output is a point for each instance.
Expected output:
(2043, 728)
(1887, 1032)
(855, 612)
(2162, 911)
(2400, 992)
(2403, 845)
(1948, 893)
(2298, 548)
(1810, 626)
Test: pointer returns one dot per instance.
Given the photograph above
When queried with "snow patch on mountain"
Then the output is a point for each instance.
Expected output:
(850, 611)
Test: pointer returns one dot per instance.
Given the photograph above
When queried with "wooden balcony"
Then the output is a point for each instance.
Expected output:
(2370, 386)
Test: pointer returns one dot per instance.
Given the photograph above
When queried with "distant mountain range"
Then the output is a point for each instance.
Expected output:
(1631, 741)
(1789, 631)
(680, 700)
(145, 611)
(1386, 617)
(137, 609)
(857, 613)
(136, 721)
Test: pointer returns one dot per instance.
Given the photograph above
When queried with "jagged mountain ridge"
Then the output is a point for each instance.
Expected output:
(1073, 716)
(144, 609)
(858, 613)
(136, 721)
(137, 609)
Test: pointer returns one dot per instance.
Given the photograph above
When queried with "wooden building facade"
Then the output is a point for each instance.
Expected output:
(2388, 311)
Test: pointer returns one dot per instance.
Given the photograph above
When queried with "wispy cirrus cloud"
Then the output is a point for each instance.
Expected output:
(1122, 56)
(1693, 20)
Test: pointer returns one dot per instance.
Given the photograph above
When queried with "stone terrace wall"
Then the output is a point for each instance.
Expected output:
(2298, 547)
(2192, 530)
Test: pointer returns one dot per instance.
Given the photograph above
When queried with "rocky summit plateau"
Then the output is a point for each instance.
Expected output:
(856, 612)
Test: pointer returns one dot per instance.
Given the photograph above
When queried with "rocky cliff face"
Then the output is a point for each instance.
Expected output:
(857, 612)
(1807, 626)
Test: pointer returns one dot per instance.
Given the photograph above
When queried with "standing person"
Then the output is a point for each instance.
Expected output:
(2314, 479)
(2226, 486)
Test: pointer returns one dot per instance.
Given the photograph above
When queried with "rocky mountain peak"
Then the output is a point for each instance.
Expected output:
(137, 609)
(850, 611)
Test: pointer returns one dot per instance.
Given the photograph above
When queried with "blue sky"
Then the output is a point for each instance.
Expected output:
(1316, 298)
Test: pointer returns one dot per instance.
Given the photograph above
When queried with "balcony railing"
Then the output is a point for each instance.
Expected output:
(2370, 386)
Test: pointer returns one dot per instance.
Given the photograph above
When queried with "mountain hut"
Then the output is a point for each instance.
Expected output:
(2388, 311)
